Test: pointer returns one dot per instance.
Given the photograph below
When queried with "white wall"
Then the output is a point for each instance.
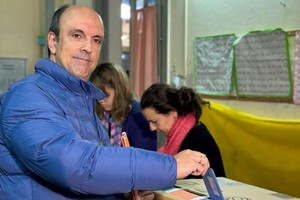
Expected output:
(218, 17)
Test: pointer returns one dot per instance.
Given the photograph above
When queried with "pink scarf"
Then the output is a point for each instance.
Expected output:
(176, 135)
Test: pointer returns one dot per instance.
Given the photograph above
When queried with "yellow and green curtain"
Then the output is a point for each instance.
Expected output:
(255, 150)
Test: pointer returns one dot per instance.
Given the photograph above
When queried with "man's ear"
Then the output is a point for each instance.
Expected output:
(51, 38)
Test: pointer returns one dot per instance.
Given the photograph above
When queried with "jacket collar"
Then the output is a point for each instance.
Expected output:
(66, 80)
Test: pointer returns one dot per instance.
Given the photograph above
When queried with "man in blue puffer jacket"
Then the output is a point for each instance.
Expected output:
(52, 146)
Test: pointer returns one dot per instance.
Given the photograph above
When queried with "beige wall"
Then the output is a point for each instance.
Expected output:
(20, 24)
(22, 21)
(176, 35)
(217, 17)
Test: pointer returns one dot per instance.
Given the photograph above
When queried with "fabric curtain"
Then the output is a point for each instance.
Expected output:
(143, 49)
(260, 151)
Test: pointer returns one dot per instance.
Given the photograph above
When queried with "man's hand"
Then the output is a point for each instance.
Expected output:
(191, 162)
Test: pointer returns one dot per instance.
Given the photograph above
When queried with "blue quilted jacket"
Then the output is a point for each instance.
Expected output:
(52, 146)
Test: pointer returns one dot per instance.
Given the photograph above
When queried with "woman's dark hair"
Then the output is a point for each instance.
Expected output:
(165, 98)
(54, 26)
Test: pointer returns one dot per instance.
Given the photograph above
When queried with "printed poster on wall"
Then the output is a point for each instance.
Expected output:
(213, 64)
(296, 97)
(262, 67)
(11, 70)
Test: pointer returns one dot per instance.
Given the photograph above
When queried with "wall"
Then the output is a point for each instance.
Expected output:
(21, 23)
(176, 38)
(208, 18)
(218, 17)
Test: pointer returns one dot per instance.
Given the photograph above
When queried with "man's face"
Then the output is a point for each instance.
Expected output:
(80, 40)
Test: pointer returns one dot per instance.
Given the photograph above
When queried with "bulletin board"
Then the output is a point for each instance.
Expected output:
(213, 64)
(262, 66)
(11, 69)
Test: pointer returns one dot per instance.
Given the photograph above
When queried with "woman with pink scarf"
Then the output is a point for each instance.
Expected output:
(176, 113)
